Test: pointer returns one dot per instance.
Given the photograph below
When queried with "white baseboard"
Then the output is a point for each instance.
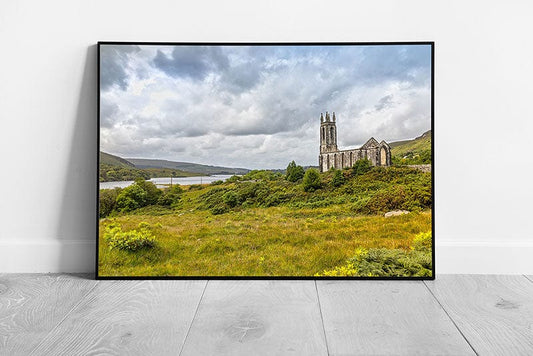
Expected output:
(47, 256)
(78, 256)
(484, 257)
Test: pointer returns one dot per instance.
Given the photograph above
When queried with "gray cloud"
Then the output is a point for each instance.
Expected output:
(191, 61)
(384, 103)
(108, 110)
(241, 77)
(113, 63)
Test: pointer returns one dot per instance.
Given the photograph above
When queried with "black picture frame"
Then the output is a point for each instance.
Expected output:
(98, 121)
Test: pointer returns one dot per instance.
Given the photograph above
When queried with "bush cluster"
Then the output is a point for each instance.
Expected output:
(382, 262)
(170, 197)
(222, 199)
(132, 240)
(262, 175)
(368, 190)
(376, 191)
(140, 194)
(385, 189)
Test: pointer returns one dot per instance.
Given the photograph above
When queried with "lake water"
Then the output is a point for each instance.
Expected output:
(163, 182)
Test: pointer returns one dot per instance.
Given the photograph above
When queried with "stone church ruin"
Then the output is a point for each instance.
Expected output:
(331, 157)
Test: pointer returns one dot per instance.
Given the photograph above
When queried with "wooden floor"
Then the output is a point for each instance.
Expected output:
(454, 315)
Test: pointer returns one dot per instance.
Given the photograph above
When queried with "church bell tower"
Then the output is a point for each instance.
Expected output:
(328, 134)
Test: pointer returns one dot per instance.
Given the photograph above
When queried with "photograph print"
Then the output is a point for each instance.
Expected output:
(265, 160)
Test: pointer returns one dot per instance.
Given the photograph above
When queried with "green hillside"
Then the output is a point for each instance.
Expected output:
(114, 168)
(200, 169)
(106, 158)
(415, 151)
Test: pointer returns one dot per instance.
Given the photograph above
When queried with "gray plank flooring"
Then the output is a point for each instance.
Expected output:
(32, 305)
(257, 318)
(453, 315)
(495, 313)
(386, 318)
(127, 318)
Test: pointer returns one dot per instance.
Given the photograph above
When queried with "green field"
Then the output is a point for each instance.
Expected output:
(265, 225)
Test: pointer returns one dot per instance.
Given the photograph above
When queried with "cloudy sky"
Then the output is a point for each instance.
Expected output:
(258, 107)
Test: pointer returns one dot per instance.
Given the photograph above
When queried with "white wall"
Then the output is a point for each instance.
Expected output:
(483, 121)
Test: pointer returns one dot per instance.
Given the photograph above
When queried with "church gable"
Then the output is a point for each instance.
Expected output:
(370, 143)
(383, 143)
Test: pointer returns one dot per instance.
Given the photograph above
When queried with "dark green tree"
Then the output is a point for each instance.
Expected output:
(131, 198)
(152, 191)
(294, 172)
(311, 181)
(108, 198)
(338, 178)
(361, 167)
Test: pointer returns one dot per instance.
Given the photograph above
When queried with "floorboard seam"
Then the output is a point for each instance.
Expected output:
(193, 318)
(322, 318)
(451, 319)
(64, 318)
(529, 279)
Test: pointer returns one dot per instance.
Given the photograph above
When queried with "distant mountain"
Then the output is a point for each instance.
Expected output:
(414, 146)
(185, 166)
(106, 158)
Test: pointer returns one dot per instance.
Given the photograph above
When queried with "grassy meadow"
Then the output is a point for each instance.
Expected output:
(269, 224)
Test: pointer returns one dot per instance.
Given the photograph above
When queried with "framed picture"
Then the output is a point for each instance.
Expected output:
(265, 160)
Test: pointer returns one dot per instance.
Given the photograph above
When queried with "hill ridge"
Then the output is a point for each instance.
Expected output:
(185, 166)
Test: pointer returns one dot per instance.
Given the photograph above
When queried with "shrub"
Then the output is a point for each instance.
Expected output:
(422, 242)
(219, 209)
(131, 198)
(231, 199)
(170, 196)
(382, 262)
(294, 172)
(211, 198)
(139, 194)
(108, 198)
(234, 178)
(361, 167)
(311, 181)
(412, 196)
(217, 182)
(389, 199)
(338, 179)
(132, 240)
(318, 202)
(168, 199)
(152, 192)
(247, 191)
(175, 189)
(195, 187)
(276, 199)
